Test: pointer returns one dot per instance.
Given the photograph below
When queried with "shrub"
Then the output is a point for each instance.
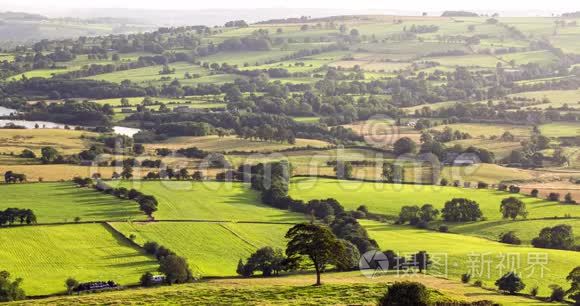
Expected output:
(554, 196)
(444, 228)
(534, 291)
(510, 283)
(502, 187)
(444, 182)
(510, 238)
(568, 199)
(535, 193)
(465, 278)
(482, 185)
(557, 294)
(405, 293)
(478, 283)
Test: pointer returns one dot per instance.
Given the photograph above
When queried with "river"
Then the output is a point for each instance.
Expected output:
(121, 130)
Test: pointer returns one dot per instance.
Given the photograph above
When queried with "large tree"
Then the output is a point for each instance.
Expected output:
(404, 145)
(175, 269)
(317, 243)
(512, 208)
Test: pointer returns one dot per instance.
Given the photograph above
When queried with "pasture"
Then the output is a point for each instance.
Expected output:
(212, 249)
(63, 202)
(232, 143)
(45, 256)
(339, 288)
(486, 260)
(560, 129)
(210, 201)
(389, 198)
(65, 141)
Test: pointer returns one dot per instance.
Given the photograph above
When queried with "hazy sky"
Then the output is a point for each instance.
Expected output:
(407, 5)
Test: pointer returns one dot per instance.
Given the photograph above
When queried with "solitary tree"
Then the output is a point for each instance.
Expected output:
(512, 208)
(405, 293)
(510, 283)
(315, 242)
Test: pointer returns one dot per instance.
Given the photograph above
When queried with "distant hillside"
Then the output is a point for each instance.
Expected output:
(571, 15)
(21, 16)
(459, 14)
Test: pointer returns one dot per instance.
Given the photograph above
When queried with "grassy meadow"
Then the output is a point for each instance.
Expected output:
(487, 260)
(339, 289)
(389, 198)
(45, 256)
(213, 201)
(212, 249)
(65, 141)
(63, 202)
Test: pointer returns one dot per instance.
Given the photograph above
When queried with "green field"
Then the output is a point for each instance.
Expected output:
(151, 74)
(470, 254)
(487, 130)
(350, 288)
(63, 202)
(45, 256)
(560, 129)
(233, 143)
(389, 198)
(214, 201)
(212, 249)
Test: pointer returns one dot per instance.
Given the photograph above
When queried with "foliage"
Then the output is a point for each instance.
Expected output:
(510, 283)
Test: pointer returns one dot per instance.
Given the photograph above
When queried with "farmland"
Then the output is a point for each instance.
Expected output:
(46, 255)
(212, 249)
(349, 102)
(63, 202)
(389, 198)
(212, 201)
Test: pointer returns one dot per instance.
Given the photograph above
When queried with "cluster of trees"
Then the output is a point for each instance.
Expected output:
(461, 210)
(11, 215)
(174, 267)
(10, 290)
(559, 237)
(12, 177)
(416, 215)
(71, 112)
(272, 181)
(269, 261)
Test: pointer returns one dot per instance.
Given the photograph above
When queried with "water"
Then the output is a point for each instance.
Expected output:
(6, 111)
(121, 130)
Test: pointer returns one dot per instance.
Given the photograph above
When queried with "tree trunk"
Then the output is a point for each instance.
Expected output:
(318, 283)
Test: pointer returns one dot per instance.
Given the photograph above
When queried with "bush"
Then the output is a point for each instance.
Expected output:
(478, 283)
(405, 293)
(568, 199)
(465, 278)
(534, 291)
(444, 182)
(444, 228)
(482, 185)
(510, 238)
(510, 283)
(422, 224)
(554, 196)
(535, 193)
(557, 294)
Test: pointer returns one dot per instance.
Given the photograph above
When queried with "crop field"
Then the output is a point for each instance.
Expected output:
(560, 129)
(231, 143)
(487, 130)
(526, 230)
(486, 260)
(62, 202)
(45, 256)
(212, 249)
(212, 201)
(389, 198)
(65, 141)
(339, 288)
(54, 172)
(488, 173)
(500, 148)
(557, 98)
(254, 58)
(152, 74)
